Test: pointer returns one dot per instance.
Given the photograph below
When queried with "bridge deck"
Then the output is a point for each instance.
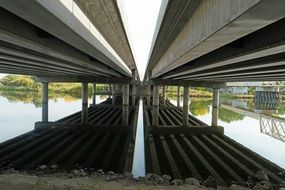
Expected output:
(199, 151)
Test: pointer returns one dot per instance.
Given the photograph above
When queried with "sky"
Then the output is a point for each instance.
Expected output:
(140, 19)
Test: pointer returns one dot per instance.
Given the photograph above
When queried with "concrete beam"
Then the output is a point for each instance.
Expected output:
(177, 13)
(105, 16)
(56, 52)
(100, 80)
(208, 29)
(169, 82)
(61, 19)
(265, 45)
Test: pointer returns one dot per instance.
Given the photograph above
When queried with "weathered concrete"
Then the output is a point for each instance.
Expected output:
(155, 105)
(84, 116)
(208, 29)
(126, 94)
(215, 107)
(44, 102)
(185, 106)
(178, 96)
(61, 19)
(163, 94)
(105, 16)
(94, 94)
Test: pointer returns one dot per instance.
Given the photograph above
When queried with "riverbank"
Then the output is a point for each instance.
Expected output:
(27, 83)
(47, 178)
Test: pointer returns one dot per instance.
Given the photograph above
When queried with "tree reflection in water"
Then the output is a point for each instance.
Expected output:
(35, 97)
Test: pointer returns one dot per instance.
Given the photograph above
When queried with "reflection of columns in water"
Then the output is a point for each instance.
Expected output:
(45, 102)
(84, 102)
(163, 95)
(94, 93)
(155, 104)
(215, 107)
(178, 96)
(185, 106)
(125, 112)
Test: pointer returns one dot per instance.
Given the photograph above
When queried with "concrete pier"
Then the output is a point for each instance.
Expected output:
(215, 107)
(125, 97)
(178, 96)
(155, 104)
(94, 94)
(84, 103)
(45, 102)
(185, 106)
(163, 94)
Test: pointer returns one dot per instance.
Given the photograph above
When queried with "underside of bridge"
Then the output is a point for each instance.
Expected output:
(196, 44)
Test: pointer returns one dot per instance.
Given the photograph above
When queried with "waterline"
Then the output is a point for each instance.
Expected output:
(138, 168)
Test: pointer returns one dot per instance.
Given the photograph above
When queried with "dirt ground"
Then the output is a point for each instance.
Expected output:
(61, 182)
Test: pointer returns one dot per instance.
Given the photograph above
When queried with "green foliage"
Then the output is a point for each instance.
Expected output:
(229, 116)
(26, 83)
(200, 107)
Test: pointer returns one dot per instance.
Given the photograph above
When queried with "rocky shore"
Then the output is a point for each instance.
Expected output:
(50, 177)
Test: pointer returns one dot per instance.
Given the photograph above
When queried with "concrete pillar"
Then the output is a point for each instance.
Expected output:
(155, 107)
(110, 90)
(148, 94)
(113, 94)
(185, 106)
(178, 96)
(125, 115)
(84, 103)
(126, 94)
(94, 93)
(125, 112)
(134, 87)
(155, 100)
(45, 102)
(163, 95)
(215, 107)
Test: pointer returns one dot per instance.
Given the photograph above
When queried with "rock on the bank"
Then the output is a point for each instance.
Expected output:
(192, 181)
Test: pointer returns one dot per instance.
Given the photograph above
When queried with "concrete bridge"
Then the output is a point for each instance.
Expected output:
(196, 44)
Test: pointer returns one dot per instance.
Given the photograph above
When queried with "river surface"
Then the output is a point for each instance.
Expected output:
(20, 110)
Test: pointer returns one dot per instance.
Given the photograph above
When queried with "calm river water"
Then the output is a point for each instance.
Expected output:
(20, 110)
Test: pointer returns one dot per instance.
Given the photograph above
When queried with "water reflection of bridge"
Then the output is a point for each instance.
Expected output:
(274, 127)
(269, 125)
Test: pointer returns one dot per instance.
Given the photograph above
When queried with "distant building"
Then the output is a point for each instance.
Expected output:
(235, 90)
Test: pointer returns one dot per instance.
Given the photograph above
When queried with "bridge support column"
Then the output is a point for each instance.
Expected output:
(84, 103)
(110, 90)
(185, 106)
(125, 113)
(178, 96)
(94, 94)
(163, 94)
(134, 88)
(44, 102)
(155, 104)
(148, 94)
(113, 94)
(215, 107)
